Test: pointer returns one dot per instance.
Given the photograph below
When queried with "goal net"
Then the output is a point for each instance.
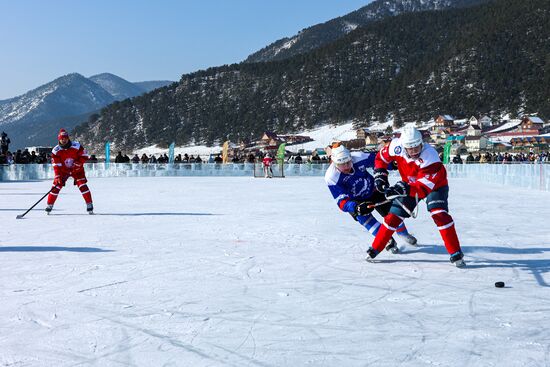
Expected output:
(276, 170)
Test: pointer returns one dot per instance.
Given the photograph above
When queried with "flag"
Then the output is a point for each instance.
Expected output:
(281, 152)
(171, 153)
(107, 154)
(446, 152)
(225, 152)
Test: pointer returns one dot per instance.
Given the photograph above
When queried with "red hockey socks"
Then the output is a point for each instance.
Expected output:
(86, 194)
(446, 226)
(389, 225)
(52, 196)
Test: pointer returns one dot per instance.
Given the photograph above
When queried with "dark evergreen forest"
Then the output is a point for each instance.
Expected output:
(488, 59)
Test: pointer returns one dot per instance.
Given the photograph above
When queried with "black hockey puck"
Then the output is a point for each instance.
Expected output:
(499, 284)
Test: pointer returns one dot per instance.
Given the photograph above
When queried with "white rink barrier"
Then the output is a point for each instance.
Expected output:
(25, 172)
(532, 176)
(527, 175)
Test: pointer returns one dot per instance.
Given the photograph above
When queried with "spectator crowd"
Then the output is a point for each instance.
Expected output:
(26, 157)
(503, 158)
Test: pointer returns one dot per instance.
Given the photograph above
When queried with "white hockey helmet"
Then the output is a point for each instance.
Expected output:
(340, 155)
(411, 137)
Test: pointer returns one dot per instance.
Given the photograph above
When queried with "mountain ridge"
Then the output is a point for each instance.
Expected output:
(65, 99)
(322, 34)
(118, 87)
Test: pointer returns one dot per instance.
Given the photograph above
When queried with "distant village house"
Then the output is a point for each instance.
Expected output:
(444, 121)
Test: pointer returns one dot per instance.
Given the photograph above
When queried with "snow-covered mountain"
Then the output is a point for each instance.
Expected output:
(119, 88)
(71, 94)
(319, 35)
(153, 84)
(34, 117)
(122, 89)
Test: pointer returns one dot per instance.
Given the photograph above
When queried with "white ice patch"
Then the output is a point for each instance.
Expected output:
(211, 271)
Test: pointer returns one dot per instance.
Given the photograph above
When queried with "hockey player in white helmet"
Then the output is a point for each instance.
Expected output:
(423, 176)
(353, 188)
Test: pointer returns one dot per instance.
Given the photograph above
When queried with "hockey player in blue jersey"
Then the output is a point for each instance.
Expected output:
(353, 188)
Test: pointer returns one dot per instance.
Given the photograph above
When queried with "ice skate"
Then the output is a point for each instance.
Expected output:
(371, 254)
(392, 246)
(458, 259)
(409, 239)
(48, 209)
(90, 208)
(460, 263)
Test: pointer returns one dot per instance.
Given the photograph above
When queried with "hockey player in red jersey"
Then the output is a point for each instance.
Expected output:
(68, 158)
(423, 176)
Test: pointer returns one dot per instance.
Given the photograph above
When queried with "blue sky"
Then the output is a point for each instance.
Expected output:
(143, 40)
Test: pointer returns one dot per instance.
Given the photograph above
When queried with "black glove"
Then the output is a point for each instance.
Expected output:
(381, 182)
(398, 190)
(362, 208)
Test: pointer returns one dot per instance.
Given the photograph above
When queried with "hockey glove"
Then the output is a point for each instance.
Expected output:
(362, 208)
(381, 182)
(77, 167)
(58, 181)
(400, 189)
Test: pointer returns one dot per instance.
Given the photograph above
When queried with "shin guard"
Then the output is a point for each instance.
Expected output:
(402, 230)
(52, 196)
(370, 223)
(86, 194)
(446, 226)
(388, 227)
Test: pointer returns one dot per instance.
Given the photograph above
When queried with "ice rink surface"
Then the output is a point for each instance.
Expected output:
(254, 272)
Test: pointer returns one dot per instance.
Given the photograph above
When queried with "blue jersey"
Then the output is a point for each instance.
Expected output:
(358, 185)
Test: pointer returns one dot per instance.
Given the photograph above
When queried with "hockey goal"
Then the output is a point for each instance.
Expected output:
(277, 170)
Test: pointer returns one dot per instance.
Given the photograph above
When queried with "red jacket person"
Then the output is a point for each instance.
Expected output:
(423, 176)
(267, 161)
(68, 158)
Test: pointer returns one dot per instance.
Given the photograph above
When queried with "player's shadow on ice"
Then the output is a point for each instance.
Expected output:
(440, 249)
(154, 214)
(22, 193)
(51, 248)
(18, 182)
(18, 210)
(537, 267)
(140, 214)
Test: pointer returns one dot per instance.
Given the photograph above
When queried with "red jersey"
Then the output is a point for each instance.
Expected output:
(267, 161)
(424, 174)
(63, 159)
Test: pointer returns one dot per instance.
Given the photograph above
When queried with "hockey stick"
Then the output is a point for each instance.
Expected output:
(413, 213)
(20, 216)
(370, 206)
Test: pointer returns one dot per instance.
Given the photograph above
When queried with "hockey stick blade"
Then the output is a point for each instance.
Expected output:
(20, 216)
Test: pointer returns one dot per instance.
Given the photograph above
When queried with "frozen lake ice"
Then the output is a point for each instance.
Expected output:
(236, 271)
